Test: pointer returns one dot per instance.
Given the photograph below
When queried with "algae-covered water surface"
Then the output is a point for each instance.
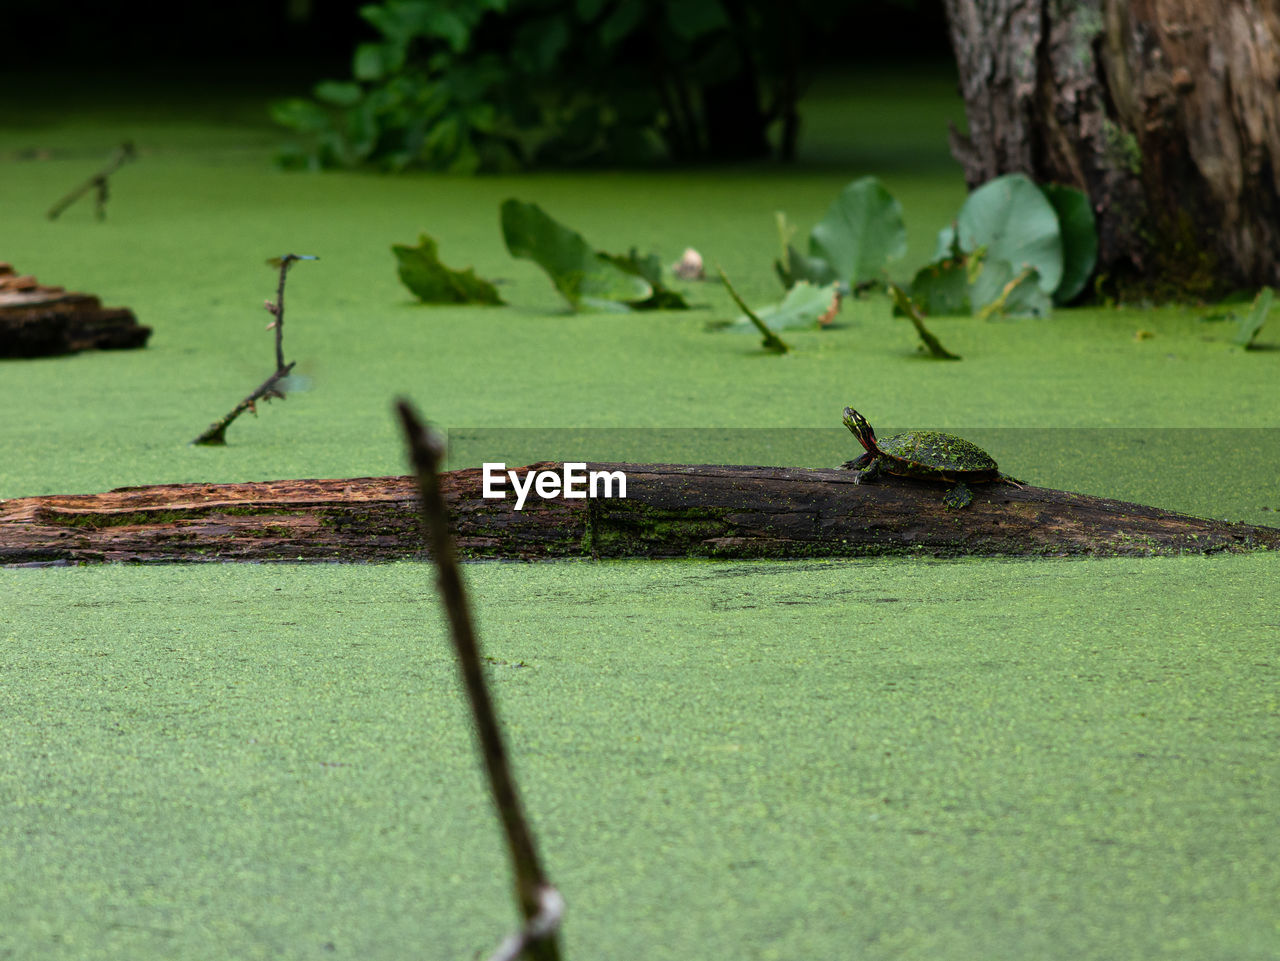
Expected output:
(916, 759)
(887, 759)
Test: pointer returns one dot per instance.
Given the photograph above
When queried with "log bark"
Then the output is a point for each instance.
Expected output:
(669, 511)
(1163, 111)
(37, 320)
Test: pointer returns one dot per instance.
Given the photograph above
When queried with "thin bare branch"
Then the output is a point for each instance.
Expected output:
(98, 182)
(535, 894)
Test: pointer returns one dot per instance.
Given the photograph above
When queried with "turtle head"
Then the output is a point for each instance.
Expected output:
(861, 430)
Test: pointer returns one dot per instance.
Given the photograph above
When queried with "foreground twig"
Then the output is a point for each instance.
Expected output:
(539, 901)
(124, 153)
(273, 386)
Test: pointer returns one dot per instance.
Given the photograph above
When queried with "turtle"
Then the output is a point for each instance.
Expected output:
(924, 454)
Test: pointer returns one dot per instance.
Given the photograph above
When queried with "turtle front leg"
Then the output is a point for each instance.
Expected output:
(959, 497)
(870, 472)
(858, 463)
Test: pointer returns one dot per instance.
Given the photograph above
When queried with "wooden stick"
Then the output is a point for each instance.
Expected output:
(539, 901)
(124, 153)
(216, 433)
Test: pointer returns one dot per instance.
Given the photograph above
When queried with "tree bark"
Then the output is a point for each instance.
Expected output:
(669, 511)
(1164, 111)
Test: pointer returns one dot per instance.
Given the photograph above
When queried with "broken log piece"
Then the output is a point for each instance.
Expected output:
(670, 510)
(37, 320)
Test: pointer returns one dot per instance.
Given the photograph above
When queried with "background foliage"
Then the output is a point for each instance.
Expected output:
(468, 85)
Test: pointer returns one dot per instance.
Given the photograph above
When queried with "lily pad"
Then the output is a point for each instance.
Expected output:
(947, 244)
(1016, 222)
(942, 288)
(999, 290)
(577, 271)
(433, 283)
(860, 233)
(794, 267)
(649, 269)
(804, 307)
(1079, 239)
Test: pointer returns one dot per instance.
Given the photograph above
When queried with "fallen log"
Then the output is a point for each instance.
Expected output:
(669, 510)
(38, 320)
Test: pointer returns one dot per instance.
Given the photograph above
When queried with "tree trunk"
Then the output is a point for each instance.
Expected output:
(670, 510)
(1164, 111)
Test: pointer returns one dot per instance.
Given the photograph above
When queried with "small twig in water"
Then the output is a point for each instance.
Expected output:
(771, 340)
(902, 300)
(273, 386)
(540, 903)
(124, 153)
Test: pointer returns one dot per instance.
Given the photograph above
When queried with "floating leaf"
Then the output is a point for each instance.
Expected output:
(804, 306)
(1251, 323)
(998, 290)
(577, 271)
(860, 233)
(648, 269)
(1079, 239)
(795, 267)
(1017, 223)
(433, 283)
(942, 288)
(948, 244)
(904, 306)
(771, 340)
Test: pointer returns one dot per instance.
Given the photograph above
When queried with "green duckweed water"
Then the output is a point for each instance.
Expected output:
(893, 759)
(885, 759)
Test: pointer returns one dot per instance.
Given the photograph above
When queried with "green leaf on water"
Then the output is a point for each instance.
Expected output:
(905, 307)
(433, 283)
(861, 232)
(1018, 224)
(794, 267)
(996, 290)
(942, 288)
(805, 306)
(1012, 295)
(1251, 323)
(577, 271)
(1079, 239)
(648, 269)
(771, 340)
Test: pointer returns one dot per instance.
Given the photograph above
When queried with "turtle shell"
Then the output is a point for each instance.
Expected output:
(931, 454)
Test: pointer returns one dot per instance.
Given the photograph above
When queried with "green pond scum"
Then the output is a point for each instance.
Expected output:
(890, 758)
(962, 760)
